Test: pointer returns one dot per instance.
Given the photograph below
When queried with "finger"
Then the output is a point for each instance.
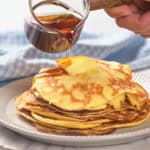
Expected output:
(146, 36)
(145, 18)
(130, 22)
(145, 24)
(135, 22)
(119, 11)
(146, 33)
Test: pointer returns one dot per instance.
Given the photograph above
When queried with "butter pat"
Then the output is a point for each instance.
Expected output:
(78, 64)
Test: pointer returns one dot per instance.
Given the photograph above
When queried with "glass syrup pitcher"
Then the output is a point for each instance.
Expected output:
(55, 25)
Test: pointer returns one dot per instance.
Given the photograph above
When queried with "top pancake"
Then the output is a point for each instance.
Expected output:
(83, 83)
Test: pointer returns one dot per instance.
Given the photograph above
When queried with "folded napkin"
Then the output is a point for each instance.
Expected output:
(18, 58)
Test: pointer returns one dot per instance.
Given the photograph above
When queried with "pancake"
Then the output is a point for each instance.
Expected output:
(30, 102)
(42, 124)
(74, 90)
(84, 96)
(59, 130)
(45, 129)
(41, 113)
(106, 128)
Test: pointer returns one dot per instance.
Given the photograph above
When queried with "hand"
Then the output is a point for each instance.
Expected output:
(133, 18)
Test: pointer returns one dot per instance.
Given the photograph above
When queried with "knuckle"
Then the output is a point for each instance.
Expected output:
(110, 13)
(119, 23)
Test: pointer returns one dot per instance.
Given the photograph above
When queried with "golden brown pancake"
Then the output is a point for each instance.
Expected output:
(84, 96)
(43, 114)
(92, 88)
(45, 129)
(104, 129)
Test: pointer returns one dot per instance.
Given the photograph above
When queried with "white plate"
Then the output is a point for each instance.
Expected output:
(10, 120)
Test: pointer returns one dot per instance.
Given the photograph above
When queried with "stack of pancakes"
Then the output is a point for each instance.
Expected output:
(84, 96)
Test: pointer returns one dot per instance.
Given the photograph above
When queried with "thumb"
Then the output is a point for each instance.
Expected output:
(147, 0)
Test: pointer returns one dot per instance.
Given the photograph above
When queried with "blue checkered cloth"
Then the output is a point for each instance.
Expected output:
(19, 59)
